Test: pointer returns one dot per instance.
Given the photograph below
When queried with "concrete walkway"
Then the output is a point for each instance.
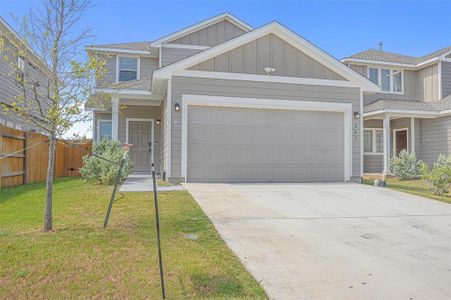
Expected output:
(334, 241)
(143, 183)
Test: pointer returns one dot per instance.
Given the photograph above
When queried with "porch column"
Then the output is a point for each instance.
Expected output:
(412, 135)
(115, 117)
(386, 127)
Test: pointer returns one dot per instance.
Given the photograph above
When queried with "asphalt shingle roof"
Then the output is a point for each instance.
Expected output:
(377, 55)
(391, 104)
(140, 46)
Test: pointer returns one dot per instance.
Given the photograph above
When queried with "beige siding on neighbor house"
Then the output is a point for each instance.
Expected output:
(172, 55)
(212, 35)
(251, 89)
(427, 85)
(446, 79)
(268, 51)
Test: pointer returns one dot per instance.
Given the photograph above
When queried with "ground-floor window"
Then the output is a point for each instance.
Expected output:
(373, 142)
(104, 130)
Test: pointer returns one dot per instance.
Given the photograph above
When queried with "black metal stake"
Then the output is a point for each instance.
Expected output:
(110, 206)
(157, 219)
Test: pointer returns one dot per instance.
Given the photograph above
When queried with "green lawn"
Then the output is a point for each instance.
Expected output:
(81, 260)
(416, 187)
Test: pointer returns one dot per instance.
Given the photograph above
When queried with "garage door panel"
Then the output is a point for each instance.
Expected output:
(250, 145)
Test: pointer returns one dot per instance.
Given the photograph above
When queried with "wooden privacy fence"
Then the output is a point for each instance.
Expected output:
(30, 165)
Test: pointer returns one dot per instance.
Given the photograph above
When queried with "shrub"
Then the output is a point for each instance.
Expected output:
(438, 178)
(405, 165)
(103, 172)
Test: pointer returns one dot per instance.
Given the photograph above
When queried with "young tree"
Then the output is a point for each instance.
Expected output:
(61, 77)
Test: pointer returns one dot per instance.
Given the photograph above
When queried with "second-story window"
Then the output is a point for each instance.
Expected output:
(388, 79)
(128, 68)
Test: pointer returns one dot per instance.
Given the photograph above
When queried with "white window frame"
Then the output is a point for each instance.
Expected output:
(98, 128)
(138, 66)
(394, 139)
(152, 133)
(392, 81)
(373, 140)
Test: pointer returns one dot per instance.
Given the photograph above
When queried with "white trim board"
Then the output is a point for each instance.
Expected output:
(198, 26)
(152, 133)
(217, 101)
(394, 139)
(283, 33)
(408, 113)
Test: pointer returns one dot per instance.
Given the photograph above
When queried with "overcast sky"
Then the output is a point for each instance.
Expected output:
(341, 28)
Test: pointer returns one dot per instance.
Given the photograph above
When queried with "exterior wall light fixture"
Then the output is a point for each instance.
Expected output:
(177, 107)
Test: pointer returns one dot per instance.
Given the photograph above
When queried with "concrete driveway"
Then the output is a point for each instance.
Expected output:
(334, 241)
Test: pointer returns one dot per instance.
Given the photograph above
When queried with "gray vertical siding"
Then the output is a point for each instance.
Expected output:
(212, 35)
(435, 138)
(446, 78)
(250, 89)
(427, 86)
(268, 51)
(172, 55)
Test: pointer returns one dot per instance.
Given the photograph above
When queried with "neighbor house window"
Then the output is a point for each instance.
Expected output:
(105, 130)
(389, 80)
(373, 142)
(128, 68)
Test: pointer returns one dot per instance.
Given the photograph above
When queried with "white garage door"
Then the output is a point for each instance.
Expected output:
(263, 145)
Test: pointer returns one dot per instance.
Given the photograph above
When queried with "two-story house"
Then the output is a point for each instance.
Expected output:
(17, 59)
(221, 101)
(413, 109)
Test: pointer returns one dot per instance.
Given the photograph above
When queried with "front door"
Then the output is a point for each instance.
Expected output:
(401, 141)
(141, 151)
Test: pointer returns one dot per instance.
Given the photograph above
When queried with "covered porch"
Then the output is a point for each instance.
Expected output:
(133, 117)
(391, 126)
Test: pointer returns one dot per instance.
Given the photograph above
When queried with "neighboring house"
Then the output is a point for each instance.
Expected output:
(223, 102)
(10, 88)
(413, 109)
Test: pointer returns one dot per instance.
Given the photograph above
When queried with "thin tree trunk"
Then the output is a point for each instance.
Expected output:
(49, 193)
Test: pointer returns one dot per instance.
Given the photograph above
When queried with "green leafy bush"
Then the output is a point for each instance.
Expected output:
(405, 165)
(438, 178)
(103, 172)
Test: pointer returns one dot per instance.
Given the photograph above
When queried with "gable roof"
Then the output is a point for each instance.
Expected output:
(219, 18)
(283, 33)
(383, 56)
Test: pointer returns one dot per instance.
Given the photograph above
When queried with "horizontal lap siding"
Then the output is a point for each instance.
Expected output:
(435, 138)
(251, 89)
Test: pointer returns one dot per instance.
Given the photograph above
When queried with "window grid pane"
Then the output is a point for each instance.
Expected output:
(385, 78)
(105, 130)
(367, 141)
(379, 141)
(128, 68)
(397, 81)
(374, 75)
